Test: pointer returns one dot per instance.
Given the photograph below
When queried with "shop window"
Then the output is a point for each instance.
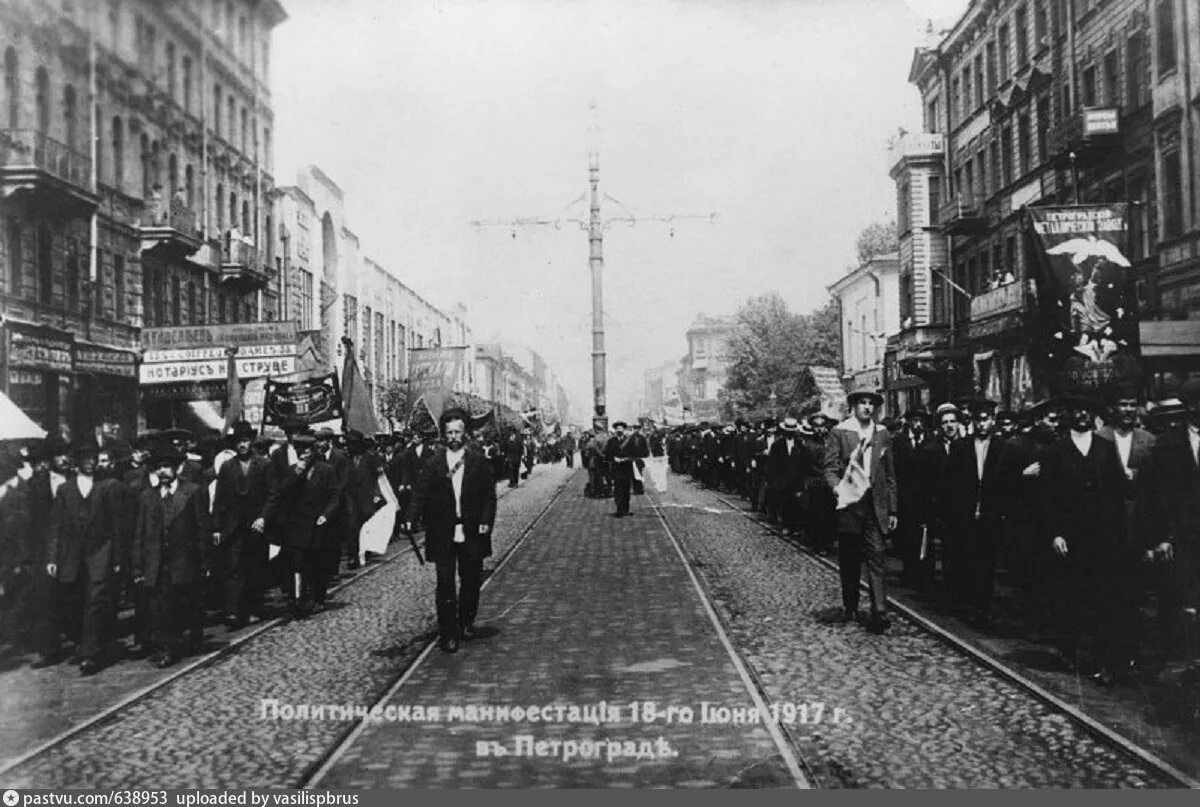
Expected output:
(1164, 22)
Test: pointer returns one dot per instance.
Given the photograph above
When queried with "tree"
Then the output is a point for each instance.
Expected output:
(393, 401)
(770, 351)
(876, 239)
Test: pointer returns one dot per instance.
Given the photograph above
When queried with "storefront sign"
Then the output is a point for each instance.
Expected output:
(215, 369)
(210, 353)
(37, 348)
(199, 391)
(105, 361)
(997, 325)
(239, 334)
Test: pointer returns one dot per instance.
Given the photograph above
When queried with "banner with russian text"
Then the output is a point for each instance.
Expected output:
(431, 374)
(1086, 324)
(313, 401)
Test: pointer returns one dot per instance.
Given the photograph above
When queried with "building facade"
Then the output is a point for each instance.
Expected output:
(868, 299)
(135, 157)
(701, 372)
(1033, 102)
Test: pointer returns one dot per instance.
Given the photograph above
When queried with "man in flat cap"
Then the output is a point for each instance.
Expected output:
(455, 501)
(858, 467)
(304, 502)
(336, 535)
(1083, 495)
(622, 451)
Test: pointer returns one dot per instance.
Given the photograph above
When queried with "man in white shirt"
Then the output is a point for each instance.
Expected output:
(455, 499)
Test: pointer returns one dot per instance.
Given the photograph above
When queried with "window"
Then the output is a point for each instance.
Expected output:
(266, 155)
(932, 120)
(1021, 22)
(187, 84)
(1039, 23)
(379, 344)
(955, 102)
(991, 67)
(172, 175)
(247, 223)
(1043, 128)
(306, 300)
(1112, 82)
(189, 185)
(45, 260)
(1003, 52)
(16, 256)
(981, 172)
(192, 312)
(221, 307)
(1164, 22)
(114, 24)
(1066, 100)
(171, 70)
(149, 53)
(12, 88)
(119, 286)
(231, 104)
(146, 169)
(176, 302)
(969, 188)
(1024, 144)
(1010, 250)
(966, 88)
(935, 201)
(980, 97)
(245, 130)
(1006, 155)
(1137, 72)
(220, 207)
(243, 49)
(997, 177)
(217, 110)
(71, 279)
(1089, 86)
(71, 118)
(1172, 185)
(43, 100)
(903, 222)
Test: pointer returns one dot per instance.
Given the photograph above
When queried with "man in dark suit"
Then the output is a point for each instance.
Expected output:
(641, 449)
(1174, 510)
(622, 451)
(303, 503)
(1083, 489)
(820, 519)
(910, 491)
(336, 535)
(362, 492)
(866, 503)
(172, 546)
(935, 459)
(976, 507)
(788, 466)
(241, 514)
(514, 453)
(455, 500)
(84, 552)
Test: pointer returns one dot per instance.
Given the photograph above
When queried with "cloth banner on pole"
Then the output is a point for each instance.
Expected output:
(233, 391)
(833, 394)
(377, 531)
(313, 401)
(357, 410)
(431, 373)
(1087, 318)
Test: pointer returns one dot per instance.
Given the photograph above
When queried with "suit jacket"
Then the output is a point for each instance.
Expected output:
(173, 537)
(297, 500)
(1137, 490)
(839, 446)
(967, 491)
(911, 482)
(788, 471)
(241, 497)
(633, 447)
(1175, 492)
(85, 532)
(1083, 500)
(363, 488)
(434, 506)
(935, 464)
(339, 463)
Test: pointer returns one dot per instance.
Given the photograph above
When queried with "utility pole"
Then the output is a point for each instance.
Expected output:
(594, 226)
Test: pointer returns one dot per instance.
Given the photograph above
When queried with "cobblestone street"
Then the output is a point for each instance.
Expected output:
(206, 729)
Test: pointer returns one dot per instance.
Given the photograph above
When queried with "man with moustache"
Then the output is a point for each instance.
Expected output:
(455, 501)
(622, 451)
(241, 513)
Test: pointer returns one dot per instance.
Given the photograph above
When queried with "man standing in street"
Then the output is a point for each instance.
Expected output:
(455, 500)
(336, 535)
(858, 467)
(788, 465)
(622, 452)
(1083, 489)
(514, 453)
(241, 515)
(911, 493)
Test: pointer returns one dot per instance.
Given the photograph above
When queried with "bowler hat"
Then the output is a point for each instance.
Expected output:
(1123, 391)
(355, 436)
(819, 420)
(176, 434)
(917, 413)
(619, 424)
(242, 431)
(302, 442)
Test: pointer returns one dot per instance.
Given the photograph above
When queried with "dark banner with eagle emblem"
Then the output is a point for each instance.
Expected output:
(1086, 323)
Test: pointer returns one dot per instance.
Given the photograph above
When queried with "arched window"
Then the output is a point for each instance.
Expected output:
(233, 210)
(43, 100)
(329, 255)
(146, 171)
(12, 88)
(189, 180)
(71, 117)
(118, 148)
(246, 228)
(220, 208)
(155, 166)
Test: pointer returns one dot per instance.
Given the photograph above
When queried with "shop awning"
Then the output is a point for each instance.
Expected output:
(1171, 339)
(15, 424)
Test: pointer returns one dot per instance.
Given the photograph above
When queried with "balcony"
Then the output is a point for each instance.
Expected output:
(915, 145)
(997, 311)
(240, 266)
(963, 214)
(170, 228)
(1089, 134)
(52, 174)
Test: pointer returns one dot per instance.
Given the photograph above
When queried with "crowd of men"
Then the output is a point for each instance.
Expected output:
(1091, 508)
(158, 539)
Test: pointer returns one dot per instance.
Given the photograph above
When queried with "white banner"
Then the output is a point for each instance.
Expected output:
(214, 369)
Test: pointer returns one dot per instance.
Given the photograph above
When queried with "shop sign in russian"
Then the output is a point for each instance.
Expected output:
(237, 334)
(105, 361)
(215, 369)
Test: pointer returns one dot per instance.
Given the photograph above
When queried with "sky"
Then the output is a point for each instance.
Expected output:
(432, 114)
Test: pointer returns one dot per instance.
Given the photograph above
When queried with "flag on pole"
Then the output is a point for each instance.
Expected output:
(432, 372)
(233, 389)
(377, 531)
(358, 412)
